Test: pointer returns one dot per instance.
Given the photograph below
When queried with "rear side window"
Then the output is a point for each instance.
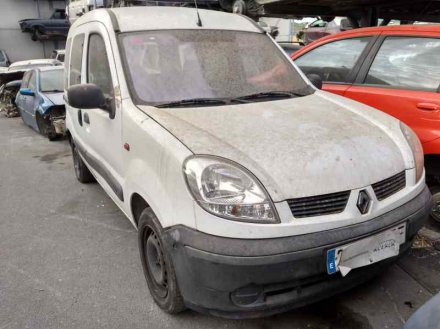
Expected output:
(333, 61)
(98, 69)
(407, 63)
(76, 60)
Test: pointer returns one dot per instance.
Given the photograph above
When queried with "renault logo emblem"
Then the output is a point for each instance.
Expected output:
(363, 202)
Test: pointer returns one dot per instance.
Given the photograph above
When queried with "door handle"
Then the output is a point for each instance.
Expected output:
(428, 107)
(80, 118)
(86, 118)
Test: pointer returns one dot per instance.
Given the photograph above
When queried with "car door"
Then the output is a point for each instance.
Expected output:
(21, 99)
(403, 80)
(103, 129)
(31, 102)
(336, 61)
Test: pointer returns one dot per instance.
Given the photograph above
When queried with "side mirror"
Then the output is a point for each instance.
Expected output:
(26, 92)
(89, 96)
(315, 79)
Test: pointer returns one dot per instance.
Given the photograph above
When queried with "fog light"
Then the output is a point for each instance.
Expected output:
(247, 295)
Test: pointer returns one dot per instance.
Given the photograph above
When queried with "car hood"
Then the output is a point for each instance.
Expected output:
(299, 147)
(55, 98)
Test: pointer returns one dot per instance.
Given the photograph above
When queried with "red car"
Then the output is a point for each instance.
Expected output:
(395, 69)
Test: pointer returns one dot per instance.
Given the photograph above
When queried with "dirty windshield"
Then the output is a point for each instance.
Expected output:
(52, 81)
(178, 65)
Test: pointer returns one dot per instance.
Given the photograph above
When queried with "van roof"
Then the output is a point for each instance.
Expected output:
(131, 19)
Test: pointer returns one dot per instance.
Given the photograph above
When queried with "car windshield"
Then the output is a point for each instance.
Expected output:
(2, 57)
(51, 81)
(176, 65)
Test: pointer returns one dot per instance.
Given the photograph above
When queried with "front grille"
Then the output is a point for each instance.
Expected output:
(319, 205)
(389, 186)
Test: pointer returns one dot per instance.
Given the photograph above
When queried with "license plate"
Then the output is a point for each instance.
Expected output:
(366, 251)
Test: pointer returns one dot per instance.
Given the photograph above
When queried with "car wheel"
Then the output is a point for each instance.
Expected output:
(157, 264)
(247, 7)
(435, 213)
(82, 173)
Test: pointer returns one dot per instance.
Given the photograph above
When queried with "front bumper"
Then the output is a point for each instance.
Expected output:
(242, 278)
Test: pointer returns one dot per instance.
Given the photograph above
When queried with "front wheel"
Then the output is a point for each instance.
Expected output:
(435, 213)
(157, 264)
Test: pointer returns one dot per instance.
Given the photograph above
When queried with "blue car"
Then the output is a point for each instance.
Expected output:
(40, 101)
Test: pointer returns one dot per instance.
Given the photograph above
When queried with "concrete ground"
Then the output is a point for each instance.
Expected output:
(69, 258)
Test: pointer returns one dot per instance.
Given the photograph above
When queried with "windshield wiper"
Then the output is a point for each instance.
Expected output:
(270, 94)
(52, 91)
(193, 101)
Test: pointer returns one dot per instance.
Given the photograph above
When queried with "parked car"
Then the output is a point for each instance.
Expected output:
(58, 54)
(56, 26)
(250, 188)
(395, 69)
(40, 101)
(321, 28)
(77, 8)
(4, 60)
(33, 63)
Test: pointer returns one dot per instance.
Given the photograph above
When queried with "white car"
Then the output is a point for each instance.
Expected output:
(33, 63)
(252, 191)
(77, 8)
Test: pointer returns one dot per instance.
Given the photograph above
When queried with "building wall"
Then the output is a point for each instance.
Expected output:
(18, 45)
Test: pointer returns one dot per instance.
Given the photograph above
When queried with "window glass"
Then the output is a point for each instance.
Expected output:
(408, 63)
(66, 76)
(51, 81)
(33, 81)
(174, 65)
(98, 70)
(25, 81)
(2, 57)
(76, 60)
(333, 61)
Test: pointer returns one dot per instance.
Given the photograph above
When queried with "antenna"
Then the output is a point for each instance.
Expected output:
(199, 21)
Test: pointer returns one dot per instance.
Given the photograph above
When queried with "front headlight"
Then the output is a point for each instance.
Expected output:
(227, 190)
(416, 148)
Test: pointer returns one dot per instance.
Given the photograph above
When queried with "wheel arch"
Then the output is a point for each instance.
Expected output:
(137, 206)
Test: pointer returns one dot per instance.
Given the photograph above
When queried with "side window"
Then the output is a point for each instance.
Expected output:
(25, 81)
(98, 69)
(67, 56)
(76, 60)
(407, 63)
(33, 81)
(335, 60)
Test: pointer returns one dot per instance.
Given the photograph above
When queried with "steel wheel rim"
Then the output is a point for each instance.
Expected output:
(155, 262)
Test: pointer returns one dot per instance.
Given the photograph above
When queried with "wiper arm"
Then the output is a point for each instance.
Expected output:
(193, 101)
(271, 94)
(53, 91)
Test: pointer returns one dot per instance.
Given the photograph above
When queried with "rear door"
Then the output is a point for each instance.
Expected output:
(402, 78)
(336, 61)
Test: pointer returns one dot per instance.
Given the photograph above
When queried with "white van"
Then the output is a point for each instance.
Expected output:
(77, 8)
(252, 191)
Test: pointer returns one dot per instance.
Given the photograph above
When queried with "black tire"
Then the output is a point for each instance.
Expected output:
(157, 264)
(247, 7)
(82, 173)
(435, 213)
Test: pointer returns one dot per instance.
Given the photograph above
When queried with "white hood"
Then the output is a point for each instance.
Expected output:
(298, 147)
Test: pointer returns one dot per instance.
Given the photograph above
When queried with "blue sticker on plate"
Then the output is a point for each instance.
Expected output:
(331, 261)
